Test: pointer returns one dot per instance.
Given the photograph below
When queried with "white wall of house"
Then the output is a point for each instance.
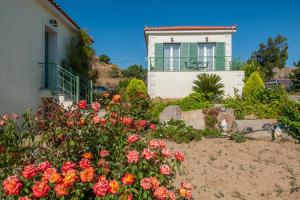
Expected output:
(22, 34)
(180, 84)
(189, 37)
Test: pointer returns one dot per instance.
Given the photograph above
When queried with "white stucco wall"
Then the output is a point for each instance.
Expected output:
(190, 37)
(23, 23)
(179, 84)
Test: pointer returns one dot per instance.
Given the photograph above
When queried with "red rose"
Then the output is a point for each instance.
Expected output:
(12, 185)
(142, 123)
(40, 189)
(29, 171)
(82, 104)
(152, 127)
(24, 198)
(44, 165)
(85, 163)
(179, 156)
(67, 166)
(96, 106)
(127, 121)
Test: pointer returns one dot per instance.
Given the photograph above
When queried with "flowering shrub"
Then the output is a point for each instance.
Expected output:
(117, 161)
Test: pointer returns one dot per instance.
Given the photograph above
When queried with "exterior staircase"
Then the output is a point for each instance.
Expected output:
(67, 85)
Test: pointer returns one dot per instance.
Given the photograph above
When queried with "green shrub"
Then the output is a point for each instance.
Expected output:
(104, 58)
(211, 117)
(290, 119)
(253, 87)
(177, 131)
(135, 86)
(193, 102)
(211, 133)
(209, 85)
(238, 137)
(250, 68)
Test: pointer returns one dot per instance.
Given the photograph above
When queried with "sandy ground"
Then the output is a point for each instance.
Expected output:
(253, 170)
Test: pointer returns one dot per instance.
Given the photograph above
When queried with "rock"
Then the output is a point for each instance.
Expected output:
(227, 115)
(170, 112)
(194, 118)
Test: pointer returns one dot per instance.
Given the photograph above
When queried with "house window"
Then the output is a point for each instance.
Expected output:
(206, 55)
(172, 57)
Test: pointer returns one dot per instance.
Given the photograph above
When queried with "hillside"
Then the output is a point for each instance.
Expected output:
(109, 74)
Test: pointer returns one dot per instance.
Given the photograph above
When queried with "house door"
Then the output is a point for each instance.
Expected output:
(206, 53)
(172, 57)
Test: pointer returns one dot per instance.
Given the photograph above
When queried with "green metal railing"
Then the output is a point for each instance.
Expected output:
(70, 84)
(205, 63)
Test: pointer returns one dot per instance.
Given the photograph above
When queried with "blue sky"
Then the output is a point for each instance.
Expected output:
(117, 25)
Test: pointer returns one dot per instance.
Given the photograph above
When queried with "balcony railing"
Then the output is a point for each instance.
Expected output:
(207, 63)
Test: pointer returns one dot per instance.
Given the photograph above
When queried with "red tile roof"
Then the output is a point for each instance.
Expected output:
(191, 28)
(64, 13)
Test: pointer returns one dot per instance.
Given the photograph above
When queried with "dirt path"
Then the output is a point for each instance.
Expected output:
(254, 170)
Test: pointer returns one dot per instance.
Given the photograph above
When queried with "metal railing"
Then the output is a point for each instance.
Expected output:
(207, 63)
(70, 84)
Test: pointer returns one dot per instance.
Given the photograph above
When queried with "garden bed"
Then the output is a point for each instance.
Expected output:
(222, 169)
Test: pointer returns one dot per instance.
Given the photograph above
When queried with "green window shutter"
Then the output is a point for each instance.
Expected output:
(193, 55)
(159, 56)
(184, 56)
(220, 56)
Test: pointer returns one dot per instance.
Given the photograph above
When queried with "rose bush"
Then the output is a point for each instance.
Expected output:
(117, 161)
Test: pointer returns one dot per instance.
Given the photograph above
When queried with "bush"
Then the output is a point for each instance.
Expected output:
(104, 58)
(211, 133)
(238, 137)
(121, 88)
(250, 68)
(290, 119)
(209, 85)
(177, 131)
(79, 155)
(135, 71)
(253, 87)
(135, 86)
(193, 102)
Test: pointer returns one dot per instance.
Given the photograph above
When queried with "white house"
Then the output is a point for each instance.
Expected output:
(32, 32)
(176, 55)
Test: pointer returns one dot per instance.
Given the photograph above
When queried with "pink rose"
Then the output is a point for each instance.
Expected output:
(161, 193)
(142, 123)
(96, 120)
(133, 138)
(103, 153)
(44, 165)
(29, 171)
(133, 156)
(5, 117)
(166, 153)
(14, 116)
(147, 154)
(165, 170)
(152, 127)
(146, 183)
(127, 121)
(96, 106)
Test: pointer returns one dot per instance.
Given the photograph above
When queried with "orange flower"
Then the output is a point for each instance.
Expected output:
(116, 99)
(87, 175)
(67, 166)
(161, 193)
(70, 177)
(61, 190)
(12, 185)
(48, 173)
(154, 182)
(114, 186)
(87, 155)
(106, 94)
(127, 179)
(81, 121)
(55, 178)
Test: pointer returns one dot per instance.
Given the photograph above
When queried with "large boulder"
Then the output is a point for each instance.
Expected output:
(194, 118)
(170, 112)
(226, 116)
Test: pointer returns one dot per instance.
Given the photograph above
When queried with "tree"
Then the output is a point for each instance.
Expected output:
(135, 71)
(209, 85)
(271, 55)
(253, 87)
(296, 76)
(104, 58)
(80, 53)
(249, 68)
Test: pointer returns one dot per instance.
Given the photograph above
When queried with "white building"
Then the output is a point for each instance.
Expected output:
(176, 55)
(32, 32)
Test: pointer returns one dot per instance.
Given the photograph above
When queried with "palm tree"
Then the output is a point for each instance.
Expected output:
(209, 85)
